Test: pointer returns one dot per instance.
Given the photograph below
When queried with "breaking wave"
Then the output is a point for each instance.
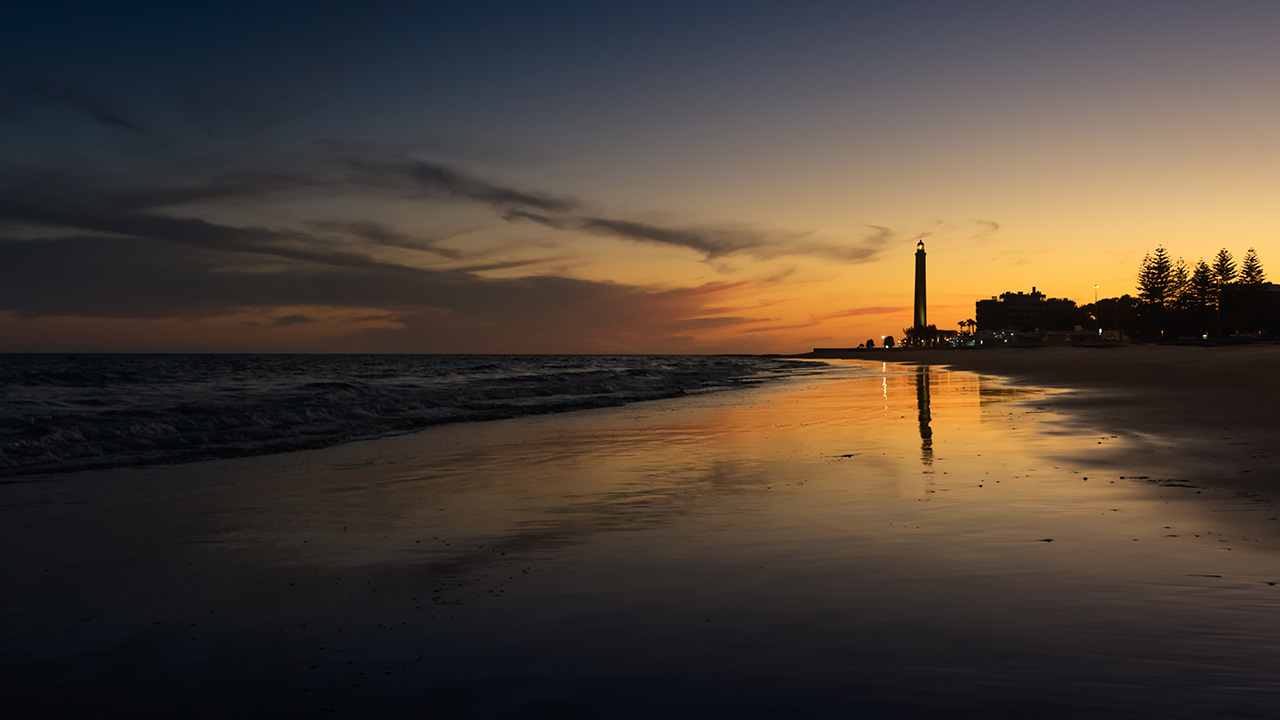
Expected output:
(73, 412)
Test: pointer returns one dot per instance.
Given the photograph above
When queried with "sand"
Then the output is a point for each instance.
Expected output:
(881, 542)
(1209, 413)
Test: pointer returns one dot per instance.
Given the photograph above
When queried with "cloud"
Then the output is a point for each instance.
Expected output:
(705, 323)
(440, 178)
(91, 105)
(338, 168)
(440, 310)
(986, 228)
(774, 328)
(820, 319)
(380, 234)
(288, 320)
(283, 244)
(539, 218)
(240, 185)
(188, 237)
(136, 264)
(564, 213)
(442, 181)
(716, 242)
(712, 243)
(856, 312)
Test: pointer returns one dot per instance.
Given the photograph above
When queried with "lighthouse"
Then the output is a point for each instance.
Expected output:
(921, 319)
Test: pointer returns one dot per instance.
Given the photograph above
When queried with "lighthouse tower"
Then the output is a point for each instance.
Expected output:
(921, 319)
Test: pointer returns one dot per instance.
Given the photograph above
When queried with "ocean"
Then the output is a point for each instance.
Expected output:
(61, 413)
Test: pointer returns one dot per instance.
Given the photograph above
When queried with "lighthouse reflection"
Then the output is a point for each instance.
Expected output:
(922, 407)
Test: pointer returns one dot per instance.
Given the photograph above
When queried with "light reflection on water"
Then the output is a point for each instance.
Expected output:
(894, 542)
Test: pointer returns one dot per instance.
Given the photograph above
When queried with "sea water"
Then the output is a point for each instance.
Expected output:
(73, 412)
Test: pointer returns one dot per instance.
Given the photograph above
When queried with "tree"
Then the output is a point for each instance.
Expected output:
(1251, 270)
(1202, 294)
(1114, 313)
(929, 335)
(917, 337)
(889, 341)
(870, 343)
(1224, 268)
(1155, 278)
(1180, 285)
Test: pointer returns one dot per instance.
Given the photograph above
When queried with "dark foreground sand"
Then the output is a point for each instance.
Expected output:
(897, 542)
(1212, 413)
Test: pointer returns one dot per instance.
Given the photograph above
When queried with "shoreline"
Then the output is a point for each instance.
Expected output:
(1208, 412)
(898, 528)
(1203, 411)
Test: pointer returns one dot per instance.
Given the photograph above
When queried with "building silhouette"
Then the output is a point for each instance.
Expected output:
(1024, 312)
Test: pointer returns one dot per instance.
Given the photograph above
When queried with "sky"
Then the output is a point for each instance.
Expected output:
(577, 177)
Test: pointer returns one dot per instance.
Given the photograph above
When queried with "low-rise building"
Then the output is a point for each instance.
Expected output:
(1024, 312)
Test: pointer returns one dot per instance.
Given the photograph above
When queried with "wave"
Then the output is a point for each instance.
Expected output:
(74, 412)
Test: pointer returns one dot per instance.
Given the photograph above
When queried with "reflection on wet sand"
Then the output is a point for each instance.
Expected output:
(922, 405)
(763, 553)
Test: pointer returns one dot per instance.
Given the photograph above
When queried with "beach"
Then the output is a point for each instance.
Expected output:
(915, 538)
(1207, 413)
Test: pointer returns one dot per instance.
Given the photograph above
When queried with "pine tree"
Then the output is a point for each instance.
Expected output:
(1251, 269)
(1143, 271)
(1203, 292)
(1224, 268)
(1180, 285)
(1155, 278)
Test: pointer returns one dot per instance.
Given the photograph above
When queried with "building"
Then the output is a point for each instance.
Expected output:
(1249, 310)
(1025, 312)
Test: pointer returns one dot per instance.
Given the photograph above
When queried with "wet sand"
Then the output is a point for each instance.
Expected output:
(880, 542)
(1208, 414)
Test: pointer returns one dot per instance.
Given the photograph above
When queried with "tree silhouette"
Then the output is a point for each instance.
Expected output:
(920, 337)
(1179, 285)
(889, 341)
(1177, 301)
(1114, 313)
(1224, 268)
(1156, 278)
(1251, 270)
(1202, 293)
(871, 343)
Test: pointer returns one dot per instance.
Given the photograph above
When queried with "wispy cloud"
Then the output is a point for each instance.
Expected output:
(441, 179)
(717, 242)
(91, 105)
(856, 312)
(175, 242)
(295, 319)
(986, 228)
(380, 234)
(712, 243)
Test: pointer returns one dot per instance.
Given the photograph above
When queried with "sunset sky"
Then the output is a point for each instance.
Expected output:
(609, 177)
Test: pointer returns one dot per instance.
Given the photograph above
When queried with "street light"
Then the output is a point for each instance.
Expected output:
(1095, 294)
